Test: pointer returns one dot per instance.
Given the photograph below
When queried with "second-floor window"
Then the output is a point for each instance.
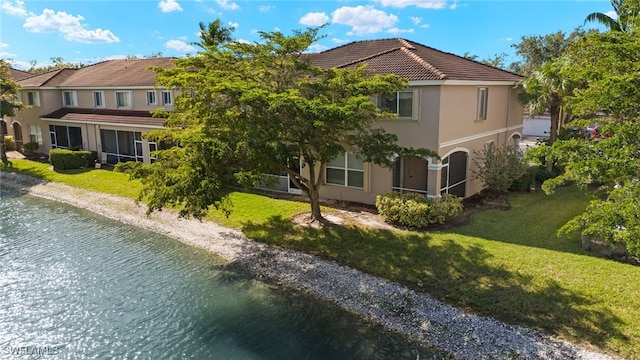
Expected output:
(123, 99)
(166, 98)
(482, 103)
(400, 102)
(151, 98)
(33, 98)
(98, 99)
(69, 98)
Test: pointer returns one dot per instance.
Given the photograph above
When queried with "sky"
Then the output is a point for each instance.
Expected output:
(91, 31)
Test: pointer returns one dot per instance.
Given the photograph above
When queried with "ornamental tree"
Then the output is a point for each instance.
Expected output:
(9, 102)
(605, 69)
(246, 110)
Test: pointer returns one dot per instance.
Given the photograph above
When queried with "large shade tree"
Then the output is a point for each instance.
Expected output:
(606, 70)
(250, 109)
(9, 102)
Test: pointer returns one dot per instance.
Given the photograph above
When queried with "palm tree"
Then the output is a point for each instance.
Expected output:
(214, 34)
(545, 90)
(626, 11)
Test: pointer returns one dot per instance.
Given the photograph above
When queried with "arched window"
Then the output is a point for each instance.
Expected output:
(454, 174)
(410, 174)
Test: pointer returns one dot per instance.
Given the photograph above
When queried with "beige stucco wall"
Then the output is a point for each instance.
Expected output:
(51, 100)
(446, 124)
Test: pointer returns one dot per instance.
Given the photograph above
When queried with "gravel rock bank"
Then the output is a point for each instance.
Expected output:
(417, 315)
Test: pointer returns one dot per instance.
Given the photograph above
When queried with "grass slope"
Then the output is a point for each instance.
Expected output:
(507, 264)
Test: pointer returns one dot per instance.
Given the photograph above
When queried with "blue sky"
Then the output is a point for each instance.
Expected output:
(94, 30)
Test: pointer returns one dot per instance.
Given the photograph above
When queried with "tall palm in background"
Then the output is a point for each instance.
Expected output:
(625, 10)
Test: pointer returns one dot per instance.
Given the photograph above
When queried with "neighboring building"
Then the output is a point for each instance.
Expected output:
(453, 106)
(103, 107)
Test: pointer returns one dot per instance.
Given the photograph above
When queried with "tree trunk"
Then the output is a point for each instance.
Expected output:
(314, 193)
(555, 122)
(314, 199)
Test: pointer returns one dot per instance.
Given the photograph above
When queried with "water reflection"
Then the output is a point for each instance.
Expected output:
(90, 287)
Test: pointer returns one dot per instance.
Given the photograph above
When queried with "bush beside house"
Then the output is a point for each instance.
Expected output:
(417, 210)
(9, 144)
(63, 159)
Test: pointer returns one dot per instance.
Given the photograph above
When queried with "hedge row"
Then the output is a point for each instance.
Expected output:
(63, 159)
(417, 210)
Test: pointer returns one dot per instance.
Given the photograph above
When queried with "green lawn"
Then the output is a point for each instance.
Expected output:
(507, 264)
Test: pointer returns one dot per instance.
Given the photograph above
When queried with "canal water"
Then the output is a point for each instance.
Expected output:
(75, 285)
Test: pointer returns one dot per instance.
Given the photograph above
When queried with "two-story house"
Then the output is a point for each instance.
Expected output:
(453, 105)
(103, 107)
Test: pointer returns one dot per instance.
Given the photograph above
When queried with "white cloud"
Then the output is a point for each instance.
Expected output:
(233, 24)
(612, 14)
(425, 26)
(339, 41)
(169, 6)
(225, 4)
(316, 48)
(454, 5)
(415, 20)
(69, 25)
(363, 19)
(243, 41)
(5, 54)
(3, 45)
(266, 8)
(314, 19)
(14, 9)
(396, 31)
(179, 45)
(425, 4)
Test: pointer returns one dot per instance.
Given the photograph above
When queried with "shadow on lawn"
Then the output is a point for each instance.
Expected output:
(459, 274)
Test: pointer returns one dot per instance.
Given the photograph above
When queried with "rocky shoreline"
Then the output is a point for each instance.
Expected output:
(416, 315)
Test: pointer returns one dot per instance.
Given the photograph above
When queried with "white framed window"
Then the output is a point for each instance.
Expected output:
(345, 170)
(69, 98)
(482, 103)
(400, 102)
(167, 99)
(65, 137)
(123, 99)
(151, 98)
(98, 99)
(33, 98)
(35, 134)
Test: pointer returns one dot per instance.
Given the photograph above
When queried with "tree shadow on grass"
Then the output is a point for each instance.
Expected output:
(463, 275)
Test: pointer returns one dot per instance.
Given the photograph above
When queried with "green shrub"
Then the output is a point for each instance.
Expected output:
(31, 148)
(63, 159)
(9, 144)
(498, 167)
(417, 210)
(524, 182)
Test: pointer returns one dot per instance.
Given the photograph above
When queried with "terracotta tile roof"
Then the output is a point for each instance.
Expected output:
(410, 60)
(117, 73)
(16, 74)
(50, 78)
(124, 73)
(111, 116)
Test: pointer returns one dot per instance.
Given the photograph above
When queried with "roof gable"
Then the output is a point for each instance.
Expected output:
(16, 74)
(410, 60)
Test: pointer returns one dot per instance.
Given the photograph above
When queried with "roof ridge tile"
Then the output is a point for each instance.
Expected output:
(424, 63)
